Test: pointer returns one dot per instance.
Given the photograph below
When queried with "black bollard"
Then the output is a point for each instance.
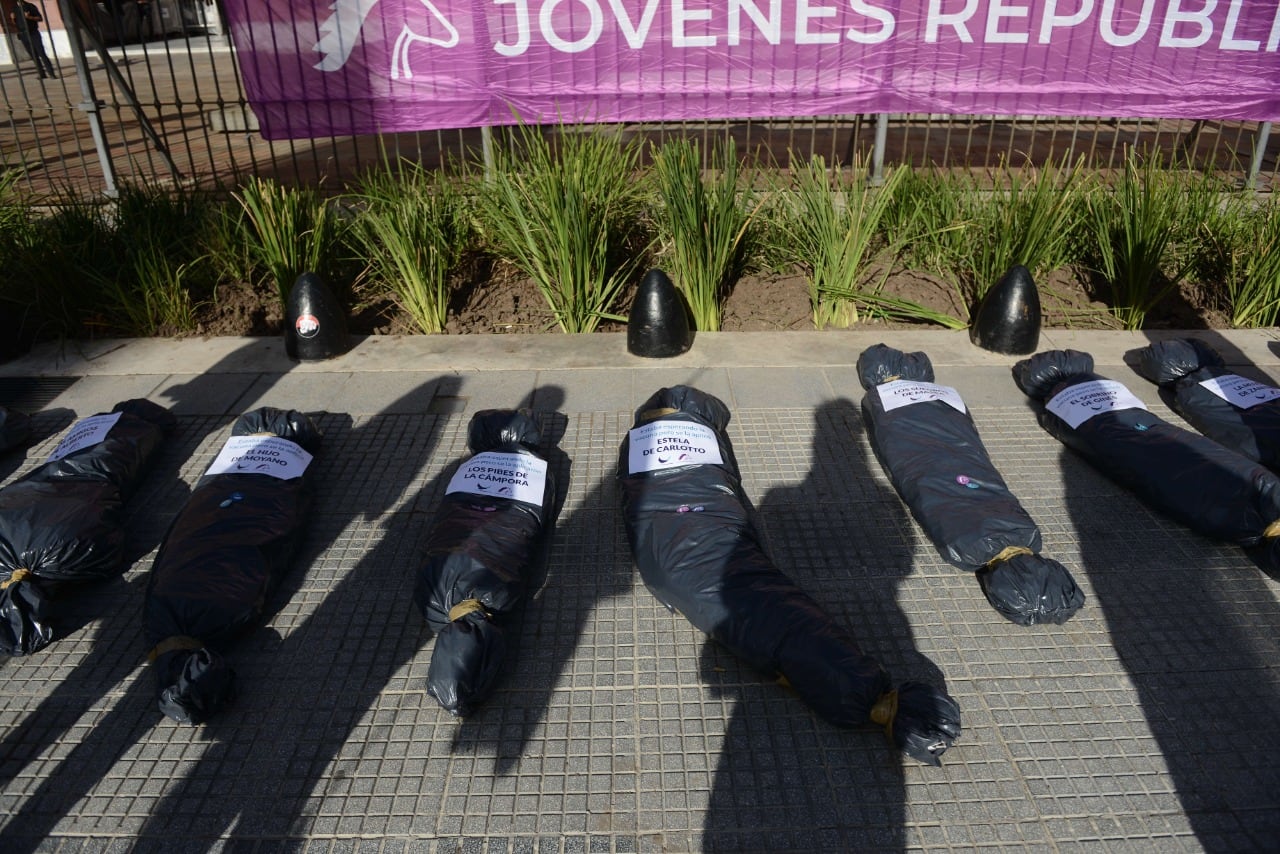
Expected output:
(315, 324)
(659, 323)
(1008, 318)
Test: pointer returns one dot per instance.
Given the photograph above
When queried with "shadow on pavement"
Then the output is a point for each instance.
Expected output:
(304, 688)
(1196, 632)
(585, 565)
(790, 781)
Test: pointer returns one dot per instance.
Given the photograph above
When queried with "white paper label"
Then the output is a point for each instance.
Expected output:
(271, 455)
(1241, 392)
(670, 444)
(1079, 403)
(86, 432)
(516, 476)
(899, 393)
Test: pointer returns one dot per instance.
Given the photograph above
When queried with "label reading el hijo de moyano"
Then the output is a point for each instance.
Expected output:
(1241, 392)
(899, 393)
(1079, 403)
(518, 477)
(86, 432)
(269, 455)
(671, 444)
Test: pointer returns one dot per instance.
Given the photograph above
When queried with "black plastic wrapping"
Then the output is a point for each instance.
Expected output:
(935, 458)
(481, 555)
(1188, 477)
(223, 557)
(63, 523)
(695, 543)
(15, 428)
(1179, 366)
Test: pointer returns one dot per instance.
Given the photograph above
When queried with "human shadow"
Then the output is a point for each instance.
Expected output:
(324, 668)
(44, 424)
(585, 565)
(313, 708)
(129, 717)
(1195, 629)
(114, 607)
(798, 783)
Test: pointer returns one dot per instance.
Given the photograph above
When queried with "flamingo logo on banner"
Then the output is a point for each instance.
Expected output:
(341, 30)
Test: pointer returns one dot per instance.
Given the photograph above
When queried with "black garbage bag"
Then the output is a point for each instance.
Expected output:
(1235, 411)
(926, 441)
(486, 541)
(224, 556)
(63, 523)
(1188, 477)
(691, 532)
(15, 428)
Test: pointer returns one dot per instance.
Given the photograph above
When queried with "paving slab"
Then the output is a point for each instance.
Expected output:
(1141, 724)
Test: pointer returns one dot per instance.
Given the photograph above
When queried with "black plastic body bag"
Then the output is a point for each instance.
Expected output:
(63, 523)
(694, 541)
(935, 458)
(1181, 366)
(1188, 477)
(483, 549)
(223, 557)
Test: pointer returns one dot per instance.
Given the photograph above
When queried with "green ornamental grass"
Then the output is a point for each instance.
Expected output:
(704, 224)
(565, 208)
(288, 232)
(414, 230)
(928, 217)
(566, 216)
(58, 262)
(832, 226)
(1253, 285)
(1028, 221)
(161, 271)
(1137, 226)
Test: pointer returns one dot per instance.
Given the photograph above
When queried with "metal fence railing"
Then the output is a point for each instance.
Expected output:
(168, 106)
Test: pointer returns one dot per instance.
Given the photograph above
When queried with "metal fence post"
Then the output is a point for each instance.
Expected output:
(877, 153)
(486, 151)
(1259, 150)
(90, 104)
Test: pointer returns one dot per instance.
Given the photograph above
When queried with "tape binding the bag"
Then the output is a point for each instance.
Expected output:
(174, 643)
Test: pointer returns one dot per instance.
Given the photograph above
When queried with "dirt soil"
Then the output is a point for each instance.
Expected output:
(501, 301)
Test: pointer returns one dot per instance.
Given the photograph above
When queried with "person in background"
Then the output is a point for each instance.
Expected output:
(146, 27)
(26, 20)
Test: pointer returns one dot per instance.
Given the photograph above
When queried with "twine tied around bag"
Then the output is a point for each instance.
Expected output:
(19, 574)
(174, 643)
(662, 412)
(466, 606)
(1008, 553)
(885, 710)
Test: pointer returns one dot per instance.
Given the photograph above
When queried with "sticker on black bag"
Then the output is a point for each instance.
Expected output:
(898, 393)
(85, 434)
(1079, 403)
(1241, 392)
(519, 477)
(269, 455)
(671, 444)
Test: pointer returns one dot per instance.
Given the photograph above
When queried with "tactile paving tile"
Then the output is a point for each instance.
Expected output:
(1144, 723)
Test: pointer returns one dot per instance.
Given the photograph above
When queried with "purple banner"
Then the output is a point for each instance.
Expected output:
(372, 66)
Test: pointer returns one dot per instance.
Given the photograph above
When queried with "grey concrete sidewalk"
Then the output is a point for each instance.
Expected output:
(1142, 724)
